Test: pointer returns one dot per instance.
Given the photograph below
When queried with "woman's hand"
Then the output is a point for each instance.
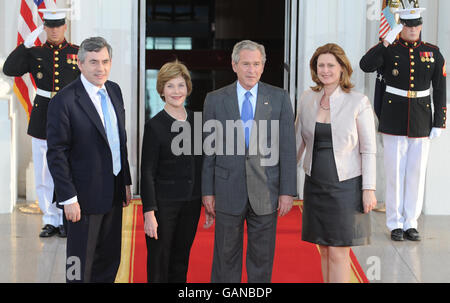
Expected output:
(150, 224)
(369, 200)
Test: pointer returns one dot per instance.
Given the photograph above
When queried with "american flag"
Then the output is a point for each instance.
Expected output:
(387, 21)
(29, 19)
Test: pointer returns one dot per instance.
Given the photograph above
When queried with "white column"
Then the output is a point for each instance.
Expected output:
(371, 39)
(325, 21)
(438, 181)
(8, 179)
(9, 14)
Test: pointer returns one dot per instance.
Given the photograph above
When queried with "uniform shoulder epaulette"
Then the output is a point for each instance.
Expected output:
(431, 45)
(74, 45)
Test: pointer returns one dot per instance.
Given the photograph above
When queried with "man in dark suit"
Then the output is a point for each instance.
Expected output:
(87, 157)
(241, 179)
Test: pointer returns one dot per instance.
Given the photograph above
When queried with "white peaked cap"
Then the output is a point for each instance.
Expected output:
(410, 13)
(54, 13)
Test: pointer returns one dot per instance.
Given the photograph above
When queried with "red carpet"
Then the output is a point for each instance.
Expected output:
(295, 261)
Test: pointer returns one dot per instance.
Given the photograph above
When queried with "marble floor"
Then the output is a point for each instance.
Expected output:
(427, 261)
(27, 258)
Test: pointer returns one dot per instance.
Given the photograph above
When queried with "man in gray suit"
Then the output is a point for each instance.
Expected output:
(251, 172)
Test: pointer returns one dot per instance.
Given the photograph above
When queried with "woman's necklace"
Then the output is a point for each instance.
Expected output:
(175, 113)
(322, 106)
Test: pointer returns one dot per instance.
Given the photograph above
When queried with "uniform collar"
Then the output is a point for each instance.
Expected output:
(409, 44)
(59, 46)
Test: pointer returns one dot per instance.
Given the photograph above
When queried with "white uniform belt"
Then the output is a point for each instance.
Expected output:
(407, 93)
(45, 93)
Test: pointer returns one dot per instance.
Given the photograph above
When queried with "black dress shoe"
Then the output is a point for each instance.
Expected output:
(48, 231)
(62, 231)
(397, 234)
(412, 234)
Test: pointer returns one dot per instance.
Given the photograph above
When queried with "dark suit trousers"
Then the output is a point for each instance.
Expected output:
(168, 257)
(94, 245)
(228, 247)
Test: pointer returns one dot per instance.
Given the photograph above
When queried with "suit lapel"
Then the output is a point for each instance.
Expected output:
(86, 104)
(262, 112)
(336, 102)
(314, 110)
(117, 107)
(231, 102)
(263, 104)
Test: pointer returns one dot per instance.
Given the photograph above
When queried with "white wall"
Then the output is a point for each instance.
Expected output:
(8, 159)
(437, 31)
(325, 21)
(9, 11)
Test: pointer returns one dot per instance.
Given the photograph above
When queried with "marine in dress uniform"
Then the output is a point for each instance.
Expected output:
(52, 65)
(410, 68)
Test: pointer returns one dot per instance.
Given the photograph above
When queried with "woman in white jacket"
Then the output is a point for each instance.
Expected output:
(335, 128)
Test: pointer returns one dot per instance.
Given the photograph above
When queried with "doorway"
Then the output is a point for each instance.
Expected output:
(201, 34)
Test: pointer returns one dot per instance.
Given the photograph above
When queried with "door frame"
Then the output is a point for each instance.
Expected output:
(290, 49)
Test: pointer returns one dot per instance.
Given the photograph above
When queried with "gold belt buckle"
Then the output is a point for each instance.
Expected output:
(412, 94)
(52, 94)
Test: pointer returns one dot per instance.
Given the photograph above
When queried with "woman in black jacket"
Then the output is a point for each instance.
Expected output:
(171, 183)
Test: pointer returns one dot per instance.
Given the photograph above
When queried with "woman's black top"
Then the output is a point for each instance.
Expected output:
(165, 176)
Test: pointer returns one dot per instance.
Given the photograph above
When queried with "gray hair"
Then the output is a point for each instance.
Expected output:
(249, 45)
(93, 44)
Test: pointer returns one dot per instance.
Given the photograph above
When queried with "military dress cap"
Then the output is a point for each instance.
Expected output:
(54, 17)
(411, 17)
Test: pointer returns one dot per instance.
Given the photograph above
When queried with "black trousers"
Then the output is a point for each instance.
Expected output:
(94, 245)
(168, 257)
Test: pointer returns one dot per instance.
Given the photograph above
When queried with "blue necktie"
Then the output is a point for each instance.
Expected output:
(247, 115)
(112, 132)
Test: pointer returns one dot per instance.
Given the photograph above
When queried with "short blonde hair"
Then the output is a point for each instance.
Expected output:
(170, 71)
(339, 54)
